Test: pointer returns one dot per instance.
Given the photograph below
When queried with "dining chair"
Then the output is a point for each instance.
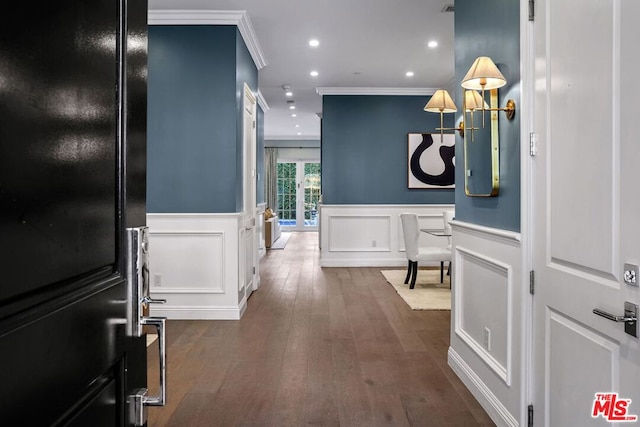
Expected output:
(415, 253)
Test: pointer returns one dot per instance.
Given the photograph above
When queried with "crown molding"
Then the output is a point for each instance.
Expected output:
(292, 138)
(262, 102)
(405, 91)
(239, 18)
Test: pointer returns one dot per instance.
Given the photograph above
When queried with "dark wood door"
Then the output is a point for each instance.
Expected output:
(72, 179)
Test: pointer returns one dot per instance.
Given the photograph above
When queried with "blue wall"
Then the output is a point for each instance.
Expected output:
(491, 28)
(194, 147)
(364, 149)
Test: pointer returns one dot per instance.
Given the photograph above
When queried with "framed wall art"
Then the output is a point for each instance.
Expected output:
(431, 162)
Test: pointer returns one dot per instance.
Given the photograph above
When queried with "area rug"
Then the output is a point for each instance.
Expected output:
(428, 294)
(281, 242)
(151, 338)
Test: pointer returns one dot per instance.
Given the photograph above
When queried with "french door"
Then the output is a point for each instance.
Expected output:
(298, 195)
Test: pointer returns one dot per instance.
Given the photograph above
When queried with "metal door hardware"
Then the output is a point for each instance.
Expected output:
(137, 273)
(630, 275)
(630, 317)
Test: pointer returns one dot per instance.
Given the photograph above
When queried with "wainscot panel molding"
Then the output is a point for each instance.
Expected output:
(488, 326)
(480, 391)
(262, 249)
(485, 334)
(371, 235)
(194, 265)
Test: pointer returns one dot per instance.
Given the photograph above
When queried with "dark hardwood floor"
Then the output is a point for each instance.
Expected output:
(316, 346)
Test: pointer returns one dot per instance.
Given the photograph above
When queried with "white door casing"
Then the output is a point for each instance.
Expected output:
(585, 207)
(248, 247)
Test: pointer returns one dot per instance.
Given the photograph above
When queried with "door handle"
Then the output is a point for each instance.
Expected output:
(137, 274)
(159, 323)
(630, 317)
(148, 300)
(140, 399)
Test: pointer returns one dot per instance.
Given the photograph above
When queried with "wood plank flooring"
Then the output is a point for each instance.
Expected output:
(316, 346)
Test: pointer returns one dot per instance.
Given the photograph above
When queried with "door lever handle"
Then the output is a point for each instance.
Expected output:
(630, 317)
(148, 300)
(613, 316)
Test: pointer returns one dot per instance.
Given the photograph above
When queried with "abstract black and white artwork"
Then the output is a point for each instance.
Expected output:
(431, 160)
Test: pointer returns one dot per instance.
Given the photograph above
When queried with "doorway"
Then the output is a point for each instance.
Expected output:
(298, 194)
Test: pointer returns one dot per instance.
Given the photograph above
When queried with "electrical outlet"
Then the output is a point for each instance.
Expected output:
(157, 280)
(487, 338)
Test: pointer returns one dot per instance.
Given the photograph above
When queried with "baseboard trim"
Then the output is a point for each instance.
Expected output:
(200, 313)
(363, 262)
(489, 402)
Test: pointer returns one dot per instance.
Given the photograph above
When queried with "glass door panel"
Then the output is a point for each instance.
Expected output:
(311, 193)
(287, 194)
(298, 195)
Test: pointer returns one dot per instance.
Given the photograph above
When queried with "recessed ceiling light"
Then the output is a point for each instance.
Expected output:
(299, 133)
(297, 126)
(288, 93)
(432, 44)
(314, 43)
(294, 115)
(314, 73)
(292, 107)
(409, 74)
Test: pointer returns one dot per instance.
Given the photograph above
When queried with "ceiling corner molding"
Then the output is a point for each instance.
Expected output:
(292, 138)
(403, 91)
(262, 102)
(239, 18)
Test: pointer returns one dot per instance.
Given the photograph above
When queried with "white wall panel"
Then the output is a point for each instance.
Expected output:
(371, 235)
(487, 266)
(485, 282)
(194, 265)
(359, 233)
(187, 262)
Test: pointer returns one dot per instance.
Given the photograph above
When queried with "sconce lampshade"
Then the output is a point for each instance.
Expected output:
(473, 101)
(483, 75)
(441, 102)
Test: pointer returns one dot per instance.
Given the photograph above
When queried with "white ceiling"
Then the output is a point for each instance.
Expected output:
(363, 43)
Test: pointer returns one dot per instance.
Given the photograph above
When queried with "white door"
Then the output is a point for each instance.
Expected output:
(586, 210)
(248, 243)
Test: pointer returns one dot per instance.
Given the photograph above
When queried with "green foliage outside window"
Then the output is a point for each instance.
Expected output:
(287, 190)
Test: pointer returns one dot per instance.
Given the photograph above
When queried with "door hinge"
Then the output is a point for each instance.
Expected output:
(533, 144)
(254, 124)
(532, 278)
(530, 416)
(532, 10)
(254, 270)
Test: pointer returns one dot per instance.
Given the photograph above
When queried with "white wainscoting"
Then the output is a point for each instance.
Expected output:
(371, 235)
(194, 265)
(262, 249)
(487, 328)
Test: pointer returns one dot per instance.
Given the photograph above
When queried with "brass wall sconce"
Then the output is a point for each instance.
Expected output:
(483, 75)
(441, 102)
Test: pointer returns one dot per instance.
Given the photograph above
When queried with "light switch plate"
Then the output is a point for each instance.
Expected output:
(630, 275)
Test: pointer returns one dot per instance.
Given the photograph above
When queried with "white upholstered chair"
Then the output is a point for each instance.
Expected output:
(415, 253)
(447, 216)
